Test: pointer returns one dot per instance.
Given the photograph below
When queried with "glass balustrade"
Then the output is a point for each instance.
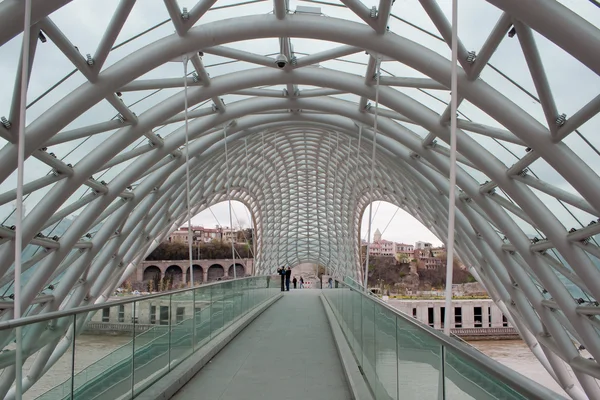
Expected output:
(157, 333)
(403, 359)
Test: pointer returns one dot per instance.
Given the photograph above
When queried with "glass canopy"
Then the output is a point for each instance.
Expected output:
(285, 101)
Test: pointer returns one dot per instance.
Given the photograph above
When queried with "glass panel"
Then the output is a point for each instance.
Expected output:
(151, 348)
(465, 380)
(202, 312)
(58, 385)
(348, 316)
(245, 295)
(108, 338)
(357, 324)
(385, 354)
(419, 361)
(368, 340)
(216, 310)
(228, 297)
(236, 300)
(182, 328)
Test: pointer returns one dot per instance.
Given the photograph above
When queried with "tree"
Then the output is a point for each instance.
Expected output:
(437, 277)
(245, 236)
(210, 251)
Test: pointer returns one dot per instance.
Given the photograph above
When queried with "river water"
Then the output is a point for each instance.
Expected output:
(90, 348)
(516, 355)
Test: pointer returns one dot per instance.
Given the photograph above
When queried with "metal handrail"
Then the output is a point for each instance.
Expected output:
(14, 323)
(513, 379)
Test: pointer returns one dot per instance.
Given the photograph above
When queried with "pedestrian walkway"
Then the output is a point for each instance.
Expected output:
(287, 353)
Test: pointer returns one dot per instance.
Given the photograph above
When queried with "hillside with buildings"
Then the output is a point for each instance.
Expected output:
(402, 267)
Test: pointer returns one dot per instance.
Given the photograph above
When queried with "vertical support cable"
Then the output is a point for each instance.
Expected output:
(359, 233)
(19, 205)
(337, 164)
(372, 172)
(187, 168)
(262, 167)
(448, 314)
(187, 183)
(251, 220)
(135, 321)
(73, 356)
(229, 201)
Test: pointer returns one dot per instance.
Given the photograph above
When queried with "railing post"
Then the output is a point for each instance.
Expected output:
(442, 380)
(133, 349)
(397, 359)
(169, 328)
(210, 312)
(73, 357)
(194, 318)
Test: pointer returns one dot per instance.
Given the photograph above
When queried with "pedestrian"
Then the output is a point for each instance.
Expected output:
(288, 275)
(281, 271)
(294, 281)
(330, 283)
(301, 283)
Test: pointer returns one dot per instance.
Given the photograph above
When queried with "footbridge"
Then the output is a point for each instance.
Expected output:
(122, 120)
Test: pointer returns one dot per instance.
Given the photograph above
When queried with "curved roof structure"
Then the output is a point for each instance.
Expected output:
(287, 102)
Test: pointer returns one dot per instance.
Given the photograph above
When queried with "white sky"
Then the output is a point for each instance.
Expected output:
(402, 227)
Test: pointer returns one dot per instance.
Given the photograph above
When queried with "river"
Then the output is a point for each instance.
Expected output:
(90, 348)
(516, 355)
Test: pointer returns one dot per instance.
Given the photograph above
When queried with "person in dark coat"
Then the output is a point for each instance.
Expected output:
(281, 271)
(288, 275)
(301, 283)
(294, 281)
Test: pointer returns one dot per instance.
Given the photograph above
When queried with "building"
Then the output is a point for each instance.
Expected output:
(205, 235)
(404, 252)
(200, 234)
(228, 235)
(430, 263)
(426, 258)
(387, 248)
(439, 252)
(481, 313)
(423, 245)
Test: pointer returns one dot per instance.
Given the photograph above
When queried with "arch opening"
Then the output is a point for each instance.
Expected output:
(173, 276)
(198, 274)
(152, 277)
(240, 270)
(215, 272)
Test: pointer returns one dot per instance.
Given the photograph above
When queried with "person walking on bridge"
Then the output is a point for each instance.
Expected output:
(281, 271)
(294, 281)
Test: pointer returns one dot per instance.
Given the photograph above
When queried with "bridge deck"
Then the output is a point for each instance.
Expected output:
(287, 353)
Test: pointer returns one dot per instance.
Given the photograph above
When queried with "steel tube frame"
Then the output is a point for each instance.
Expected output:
(154, 166)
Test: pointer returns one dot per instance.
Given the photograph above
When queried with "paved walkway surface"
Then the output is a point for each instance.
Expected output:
(287, 353)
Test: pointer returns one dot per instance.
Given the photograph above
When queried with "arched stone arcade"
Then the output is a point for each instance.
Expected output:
(201, 269)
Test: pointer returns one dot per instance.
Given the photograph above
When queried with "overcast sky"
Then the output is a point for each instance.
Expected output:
(401, 227)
